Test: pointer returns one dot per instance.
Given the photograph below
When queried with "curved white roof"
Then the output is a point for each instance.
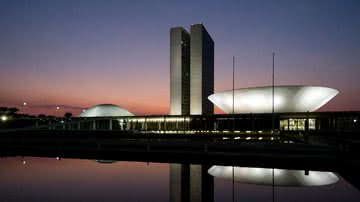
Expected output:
(282, 177)
(103, 110)
(286, 99)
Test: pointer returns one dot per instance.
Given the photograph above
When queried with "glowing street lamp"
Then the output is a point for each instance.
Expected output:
(22, 106)
(4, 118)
(57, 108)
(23, 160)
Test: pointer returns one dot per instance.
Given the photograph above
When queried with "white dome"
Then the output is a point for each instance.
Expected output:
(286, 99)
(104, 110)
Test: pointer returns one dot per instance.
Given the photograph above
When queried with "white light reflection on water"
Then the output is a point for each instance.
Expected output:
(282, 177)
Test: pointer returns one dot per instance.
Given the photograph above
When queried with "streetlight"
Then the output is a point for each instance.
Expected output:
(22, 106)
(4, 118)
(56, 110)
(23, 160)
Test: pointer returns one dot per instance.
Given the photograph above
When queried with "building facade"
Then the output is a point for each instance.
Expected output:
(191, 71)
(179, 71)
(201, 70)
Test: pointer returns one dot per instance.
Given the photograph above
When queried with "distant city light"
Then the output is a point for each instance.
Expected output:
(57, 108)
(84, 110)
(24, 103)
(355, 120)
(4, 118)
(23, 162)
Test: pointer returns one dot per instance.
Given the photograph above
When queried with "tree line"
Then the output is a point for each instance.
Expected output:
(13, 111)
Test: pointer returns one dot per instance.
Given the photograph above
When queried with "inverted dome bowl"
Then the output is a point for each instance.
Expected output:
(286, 99)
(282, 177)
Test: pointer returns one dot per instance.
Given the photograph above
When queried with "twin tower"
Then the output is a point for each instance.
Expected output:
(191, 71)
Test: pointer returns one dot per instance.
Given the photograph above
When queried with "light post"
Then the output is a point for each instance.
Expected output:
(273, 119)
(56, 110)
(22, 107)
(4, 118)
(273, 95)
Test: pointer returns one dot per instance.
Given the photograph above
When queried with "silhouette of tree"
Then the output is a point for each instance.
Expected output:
(68, 115)
(3, 110)
(41, 116)
(12, 110)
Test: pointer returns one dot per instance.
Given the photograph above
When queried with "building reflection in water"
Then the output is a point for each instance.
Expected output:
(282, 177)
(191, 183)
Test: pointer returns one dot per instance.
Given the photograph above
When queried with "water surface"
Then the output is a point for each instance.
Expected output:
(52, 179)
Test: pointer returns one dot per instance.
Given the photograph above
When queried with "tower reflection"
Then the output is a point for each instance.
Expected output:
(191, 183)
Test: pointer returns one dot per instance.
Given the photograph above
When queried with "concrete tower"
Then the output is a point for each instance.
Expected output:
(179, 71)
(201, 70)
(191, 183)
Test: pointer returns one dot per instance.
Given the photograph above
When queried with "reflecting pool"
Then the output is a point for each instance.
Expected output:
(63, 179)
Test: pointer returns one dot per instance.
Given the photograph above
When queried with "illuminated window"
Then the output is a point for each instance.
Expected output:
(293, 124)
(312, 125)
(297, 124)
(284, 125)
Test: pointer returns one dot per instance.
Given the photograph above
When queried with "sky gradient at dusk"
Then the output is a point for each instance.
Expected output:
(76, 54)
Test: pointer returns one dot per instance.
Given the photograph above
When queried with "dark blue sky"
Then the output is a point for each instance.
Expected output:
(81, 53)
